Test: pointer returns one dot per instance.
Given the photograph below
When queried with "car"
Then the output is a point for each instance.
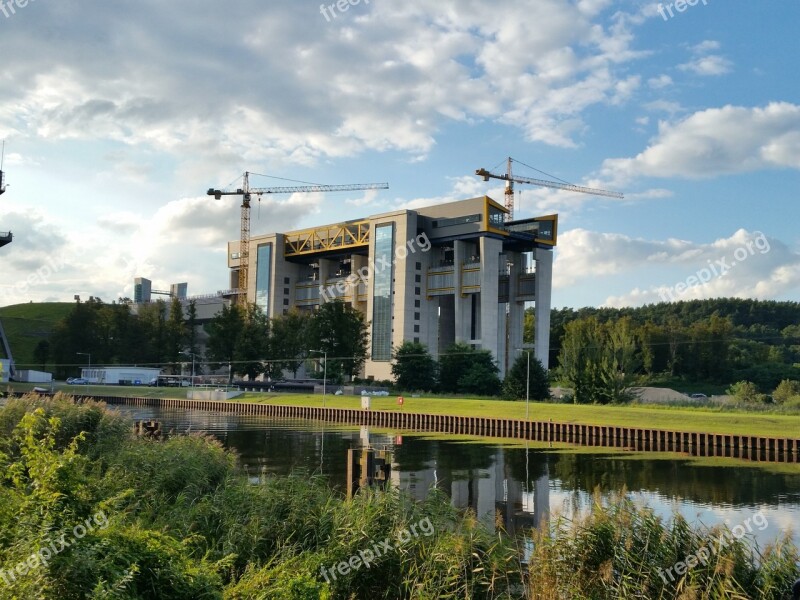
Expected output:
(699, 396)
(80, 381)
(70, 379)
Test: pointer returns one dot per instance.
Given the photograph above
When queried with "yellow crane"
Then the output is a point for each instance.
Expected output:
(246, 192)
(510, 179)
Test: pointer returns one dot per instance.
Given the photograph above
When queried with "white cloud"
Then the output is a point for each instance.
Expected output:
(718, 141)
(708, 66)
(746, 264)
(660, 82)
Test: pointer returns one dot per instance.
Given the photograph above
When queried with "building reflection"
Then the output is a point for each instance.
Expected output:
(491, 490)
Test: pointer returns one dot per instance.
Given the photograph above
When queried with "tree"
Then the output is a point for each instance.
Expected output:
(746, 392)
(620, 359)
(341, 331)
(481, 376)
(224, 332)
(465, 370)
(174, 332)
(289, 340)
(515, 385)
(788, 390)
(581, 360)
(252, 348)
(191, 328)
(41, 353)
(413, 367)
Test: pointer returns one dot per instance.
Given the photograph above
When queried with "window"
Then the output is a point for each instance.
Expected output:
(416, 316)
(286, 281)
(286, 302)
(286, 291)
(263, 275)
(416, 328)
(417, 291)
(382, 294)
(416, 340)
(417, 303)
(417, 278)
(419, 266)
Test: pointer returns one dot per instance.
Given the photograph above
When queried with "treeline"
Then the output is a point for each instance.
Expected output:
(718, 341)
(112, 334)
(243, 337)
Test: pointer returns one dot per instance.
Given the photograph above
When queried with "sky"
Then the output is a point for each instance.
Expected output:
(118, 116)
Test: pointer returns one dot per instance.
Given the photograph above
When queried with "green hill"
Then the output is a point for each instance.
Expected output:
(27, 324)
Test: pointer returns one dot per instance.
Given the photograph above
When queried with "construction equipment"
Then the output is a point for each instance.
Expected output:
(246, 192)
(2, 173)
(509, 178)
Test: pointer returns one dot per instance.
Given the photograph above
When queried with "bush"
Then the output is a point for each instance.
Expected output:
(746, 392)
(787, 392)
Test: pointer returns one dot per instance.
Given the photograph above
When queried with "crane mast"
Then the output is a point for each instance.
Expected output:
(246, 192)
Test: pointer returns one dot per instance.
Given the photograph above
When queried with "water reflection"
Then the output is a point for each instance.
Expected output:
(516, 486)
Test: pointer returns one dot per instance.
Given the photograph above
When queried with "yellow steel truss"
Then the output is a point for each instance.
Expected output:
(330, 237)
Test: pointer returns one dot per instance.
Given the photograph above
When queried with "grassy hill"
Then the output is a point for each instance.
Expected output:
(26, 324)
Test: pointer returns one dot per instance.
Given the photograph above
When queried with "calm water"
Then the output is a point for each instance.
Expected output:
(524, 485)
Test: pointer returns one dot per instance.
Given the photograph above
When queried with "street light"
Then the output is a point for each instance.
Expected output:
(527, 382)
(88, 368)
(192, 355)
(324, 372)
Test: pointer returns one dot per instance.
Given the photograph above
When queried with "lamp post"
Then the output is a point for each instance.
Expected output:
(89, 367)
(324, 372)
(192, 355)
(527, 382)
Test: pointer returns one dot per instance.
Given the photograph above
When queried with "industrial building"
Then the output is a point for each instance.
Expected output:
(119, 375)
(456, 272)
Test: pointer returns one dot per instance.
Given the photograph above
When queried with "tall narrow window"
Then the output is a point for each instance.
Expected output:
(263, 274)
(382, 293)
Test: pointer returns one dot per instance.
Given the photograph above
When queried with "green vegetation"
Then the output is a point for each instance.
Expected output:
(28, 324)
(413, 367)
(708, 341)
(179, 519)
(526, 378)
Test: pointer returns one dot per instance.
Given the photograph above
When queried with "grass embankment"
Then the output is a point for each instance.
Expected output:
(678, 419)
(27, 324)
(654, 417)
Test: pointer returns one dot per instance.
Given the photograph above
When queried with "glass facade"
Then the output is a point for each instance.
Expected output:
(382, 293)
(263, 274)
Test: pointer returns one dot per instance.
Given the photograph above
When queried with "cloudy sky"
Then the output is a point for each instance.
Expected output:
(117, 117)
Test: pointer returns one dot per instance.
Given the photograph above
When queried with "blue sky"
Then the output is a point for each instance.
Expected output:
(118, 116)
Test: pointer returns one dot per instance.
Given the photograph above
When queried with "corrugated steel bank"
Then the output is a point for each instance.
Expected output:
(756, 448)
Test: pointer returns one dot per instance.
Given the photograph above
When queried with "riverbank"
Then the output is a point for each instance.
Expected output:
(635, 416)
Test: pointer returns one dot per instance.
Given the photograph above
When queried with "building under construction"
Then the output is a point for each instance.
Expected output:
(456, 272)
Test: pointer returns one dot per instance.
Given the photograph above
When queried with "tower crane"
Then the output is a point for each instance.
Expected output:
(246, 192)
(2, 173)
(509, 178)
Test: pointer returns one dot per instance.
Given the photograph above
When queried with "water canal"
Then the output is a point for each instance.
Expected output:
(519, 483)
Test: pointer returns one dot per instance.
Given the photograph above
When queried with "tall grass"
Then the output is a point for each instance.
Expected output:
(621, 551)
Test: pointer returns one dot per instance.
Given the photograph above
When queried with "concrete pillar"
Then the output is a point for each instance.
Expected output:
(544, 290)
(463, 304)
(491, 249)
(516, 312)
